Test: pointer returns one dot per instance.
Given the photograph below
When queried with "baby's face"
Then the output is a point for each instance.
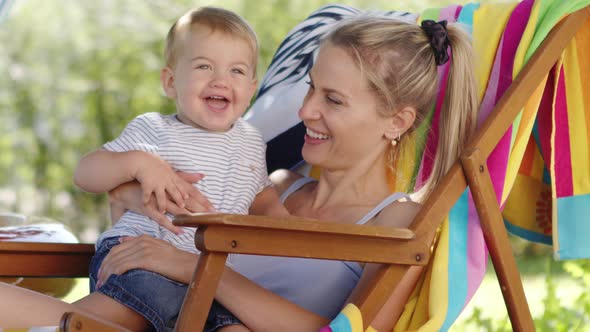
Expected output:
(213, 79)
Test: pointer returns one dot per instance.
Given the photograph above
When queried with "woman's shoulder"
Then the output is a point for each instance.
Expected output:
(400, 214)
(283, 178)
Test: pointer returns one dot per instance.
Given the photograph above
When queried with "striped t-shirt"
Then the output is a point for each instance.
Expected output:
(233, 163)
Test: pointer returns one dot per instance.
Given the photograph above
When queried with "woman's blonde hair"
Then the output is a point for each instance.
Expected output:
(398, 61)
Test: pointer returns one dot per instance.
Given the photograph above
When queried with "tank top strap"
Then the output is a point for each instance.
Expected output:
(388, 200)
(296, 185)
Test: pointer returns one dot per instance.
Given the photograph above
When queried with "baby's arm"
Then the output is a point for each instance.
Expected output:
(102, 170)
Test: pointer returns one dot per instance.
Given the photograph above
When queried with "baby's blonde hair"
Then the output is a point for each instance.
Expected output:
(398, 62)
(216, 19)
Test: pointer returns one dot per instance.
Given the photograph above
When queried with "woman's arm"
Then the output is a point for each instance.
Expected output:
(389, 314)
(398, 214)
(148, 253)
(267, 202)
(129, 196)
(262, 310)
(256, 307)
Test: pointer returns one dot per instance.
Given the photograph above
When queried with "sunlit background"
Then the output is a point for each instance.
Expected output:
(73, 73)
(77, 71)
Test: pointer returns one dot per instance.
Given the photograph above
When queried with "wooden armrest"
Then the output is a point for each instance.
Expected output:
(296, 237)
(292, 224)
(35, 259)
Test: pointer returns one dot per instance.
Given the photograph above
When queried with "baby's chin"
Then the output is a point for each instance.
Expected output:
(213, 125)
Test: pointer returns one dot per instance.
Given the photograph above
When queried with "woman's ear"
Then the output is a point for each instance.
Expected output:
(167, 79)
(400, 122)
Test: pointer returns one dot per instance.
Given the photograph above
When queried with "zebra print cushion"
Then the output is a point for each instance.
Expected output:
(283, 87)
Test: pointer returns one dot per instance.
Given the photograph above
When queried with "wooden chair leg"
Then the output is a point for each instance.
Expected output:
(496, 238)
(201, 292)
(370, 302)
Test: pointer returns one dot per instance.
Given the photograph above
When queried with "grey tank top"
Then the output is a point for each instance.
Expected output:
(320, 286)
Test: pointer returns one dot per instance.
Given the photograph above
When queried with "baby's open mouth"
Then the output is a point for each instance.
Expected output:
(217, 102)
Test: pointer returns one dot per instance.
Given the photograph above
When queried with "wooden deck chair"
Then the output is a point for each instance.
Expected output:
(489, 167)
(546, 47)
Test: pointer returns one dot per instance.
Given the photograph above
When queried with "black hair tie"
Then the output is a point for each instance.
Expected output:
(439, 39)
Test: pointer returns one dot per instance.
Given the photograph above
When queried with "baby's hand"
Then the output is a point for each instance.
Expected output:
(157, 177)
(197, 202)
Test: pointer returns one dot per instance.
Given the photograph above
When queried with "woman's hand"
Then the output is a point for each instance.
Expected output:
(196, 202)
(158, 179)
(128, 196)
(148, 253)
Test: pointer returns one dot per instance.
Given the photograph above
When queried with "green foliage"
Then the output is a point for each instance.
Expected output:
(75, 77)
(569, 314)
(561, 312)
(485, 323)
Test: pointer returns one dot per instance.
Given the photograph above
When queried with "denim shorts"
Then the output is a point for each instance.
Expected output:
(155, 297)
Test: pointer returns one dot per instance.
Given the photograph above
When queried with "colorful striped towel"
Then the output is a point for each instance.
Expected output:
(551, 191)
(504, 37)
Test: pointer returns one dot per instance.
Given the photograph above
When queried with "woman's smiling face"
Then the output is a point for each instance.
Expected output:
(340, 113)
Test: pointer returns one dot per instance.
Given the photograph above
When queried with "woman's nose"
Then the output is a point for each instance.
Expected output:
(309, 110)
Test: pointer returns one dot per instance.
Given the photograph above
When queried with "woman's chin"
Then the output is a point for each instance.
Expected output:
(311, 157)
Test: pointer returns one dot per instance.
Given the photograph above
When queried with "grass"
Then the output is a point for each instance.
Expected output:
(81, 289)
(489, 300)
(489, 303)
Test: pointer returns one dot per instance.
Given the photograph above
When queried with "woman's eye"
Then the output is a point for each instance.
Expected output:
(310, 84)
(333, 100)
(205, 67)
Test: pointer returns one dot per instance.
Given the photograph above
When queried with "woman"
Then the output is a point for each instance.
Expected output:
(372, 84)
